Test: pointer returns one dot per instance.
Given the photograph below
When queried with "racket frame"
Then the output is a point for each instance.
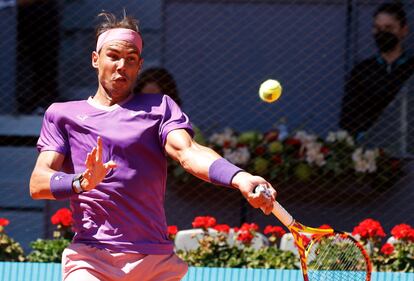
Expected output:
(297, 229)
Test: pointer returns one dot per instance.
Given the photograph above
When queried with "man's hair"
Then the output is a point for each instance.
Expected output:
(394, 9)
(110, 21)
(162, 78)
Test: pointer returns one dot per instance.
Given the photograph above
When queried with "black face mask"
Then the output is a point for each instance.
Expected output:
(386, 41)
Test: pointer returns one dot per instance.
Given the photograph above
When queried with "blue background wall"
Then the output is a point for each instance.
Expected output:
(231, 61)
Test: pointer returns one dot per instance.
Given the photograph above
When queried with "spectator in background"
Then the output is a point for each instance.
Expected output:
(158, 80)
(373, 83)
(37, 55)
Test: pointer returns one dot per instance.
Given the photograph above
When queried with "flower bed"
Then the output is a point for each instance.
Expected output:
(217, 248)
(303, 158)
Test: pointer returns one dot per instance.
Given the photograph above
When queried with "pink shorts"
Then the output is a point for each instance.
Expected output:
(84, 263)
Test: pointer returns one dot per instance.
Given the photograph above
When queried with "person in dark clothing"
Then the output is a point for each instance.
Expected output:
(157, 80)
(37, 55)
(373, 83)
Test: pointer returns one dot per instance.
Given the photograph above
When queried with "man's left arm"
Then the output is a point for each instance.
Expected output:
(202, 161)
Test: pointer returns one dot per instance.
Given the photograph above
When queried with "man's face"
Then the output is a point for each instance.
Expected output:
(118, 65)
(388, 23)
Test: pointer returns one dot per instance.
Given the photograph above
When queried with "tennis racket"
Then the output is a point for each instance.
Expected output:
(330, 255)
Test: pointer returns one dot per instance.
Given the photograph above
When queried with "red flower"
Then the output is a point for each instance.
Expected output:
(293, 142)
(249, 226)
(369, 228)
(247, 232)
(387, 249)
(277, 159)
(62, 216)
(260, 150)
(245, 236)
(226, 144)
(4, 222)
(276, 231)
(222, 228)
(324, 150)
(268, 229)
(325, 226)
(271, 136)
(403, 231)
(172, 230)
(395, 165)
(204, 222)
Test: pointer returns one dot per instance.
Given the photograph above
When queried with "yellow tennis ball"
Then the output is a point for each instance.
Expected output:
(270, 90)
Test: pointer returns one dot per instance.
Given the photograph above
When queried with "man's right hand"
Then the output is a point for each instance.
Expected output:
(247, 183)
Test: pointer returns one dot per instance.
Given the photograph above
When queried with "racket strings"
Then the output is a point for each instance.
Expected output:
(336, 257)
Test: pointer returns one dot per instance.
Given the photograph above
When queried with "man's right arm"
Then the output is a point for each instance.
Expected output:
(48, 163)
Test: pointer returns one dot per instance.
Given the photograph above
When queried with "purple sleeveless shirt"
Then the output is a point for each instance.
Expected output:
(125, 213)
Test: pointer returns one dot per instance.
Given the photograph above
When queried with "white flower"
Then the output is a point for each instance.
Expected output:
(314, 155)
(305, 137)
(340, 136)
(331, 137)
(371, 156)
(365, 161)
(239, 156)
(311, 147)
(350, 141)
(227, 136)
(357, 154)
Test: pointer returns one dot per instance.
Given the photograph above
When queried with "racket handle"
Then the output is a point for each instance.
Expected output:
(278, 209)
(282, 214)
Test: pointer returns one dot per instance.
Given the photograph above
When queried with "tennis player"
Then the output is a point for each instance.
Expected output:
(107, 155)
